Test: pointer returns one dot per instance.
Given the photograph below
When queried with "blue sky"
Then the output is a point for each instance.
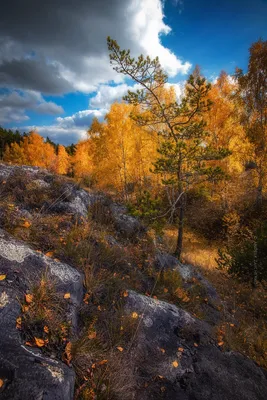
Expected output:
(56, 80)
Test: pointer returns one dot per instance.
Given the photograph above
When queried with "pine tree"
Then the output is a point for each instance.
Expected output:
(183, 153)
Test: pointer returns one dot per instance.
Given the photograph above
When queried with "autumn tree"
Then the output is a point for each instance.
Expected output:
(82, 160)
(253, 95)
(7, 137)
(32, 151)
(62, 160)
(226, 131)
(183, 152)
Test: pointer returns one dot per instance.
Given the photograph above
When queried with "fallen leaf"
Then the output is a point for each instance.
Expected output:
(86, 298)
(46, 329)
(175, 364)
(2, 277)
(49, 254)
(92, 335)
(134, 315)
(28, 298)
(120, 348)
(125, 294)
(103, 362)
(232, 325)
(40, 342)
(67, 296)
(26, 224)
(220, 343)
(181, 349)
(18, 323)
(67, 354)
(181, 294)
(1, 383)
(163, 350)
(160, 376)
(28, 344)
(195, 344)
(165, 290)
(25, 308)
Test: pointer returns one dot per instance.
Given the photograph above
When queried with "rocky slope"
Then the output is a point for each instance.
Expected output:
(168, 354)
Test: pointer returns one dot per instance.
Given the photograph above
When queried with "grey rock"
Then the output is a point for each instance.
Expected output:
(128, 226)
(40, 183)
(192, 279)
(187, 272)
(26, 372)
(203, 371)
(75, 201)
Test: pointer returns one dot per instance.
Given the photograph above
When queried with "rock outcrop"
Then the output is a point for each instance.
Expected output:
(24, 371)
(176, 355)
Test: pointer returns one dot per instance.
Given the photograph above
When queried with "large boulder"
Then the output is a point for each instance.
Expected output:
(25, 372)
(176, 357)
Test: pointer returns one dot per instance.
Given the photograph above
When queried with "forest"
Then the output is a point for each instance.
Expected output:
(198, 162)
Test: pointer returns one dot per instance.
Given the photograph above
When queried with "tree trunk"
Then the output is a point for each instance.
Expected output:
(255, 264)
(259, 191)
(179, 245)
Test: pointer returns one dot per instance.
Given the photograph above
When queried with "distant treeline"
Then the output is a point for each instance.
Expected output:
(8, 136)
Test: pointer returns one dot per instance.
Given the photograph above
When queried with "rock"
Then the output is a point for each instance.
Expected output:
(7, 170)
(178, 357)
(193, 280)
(74, 201)
(165, 261)
(188, 273)
(128, 226)
(27, 374)
(40, 183)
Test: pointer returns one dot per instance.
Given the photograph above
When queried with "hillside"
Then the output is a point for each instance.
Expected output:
(93, 307)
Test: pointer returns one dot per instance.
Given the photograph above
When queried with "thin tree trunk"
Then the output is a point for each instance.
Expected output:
(255, 264)
(259, 191)
(179, 245)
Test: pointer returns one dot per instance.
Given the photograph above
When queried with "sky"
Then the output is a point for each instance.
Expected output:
(55, 75)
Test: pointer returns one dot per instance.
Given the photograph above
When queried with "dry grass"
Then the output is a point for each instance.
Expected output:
(247, 306)
(43, 320)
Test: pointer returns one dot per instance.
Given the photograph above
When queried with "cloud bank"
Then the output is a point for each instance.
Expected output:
(59, 47)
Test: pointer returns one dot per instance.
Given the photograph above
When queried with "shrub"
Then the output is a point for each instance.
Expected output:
(246, 257)
(149, 209)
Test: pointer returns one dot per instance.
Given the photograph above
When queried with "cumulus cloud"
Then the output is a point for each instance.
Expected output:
(106, 95)
(14, 104)
(70, 129)
(60, 46)
(57, 133)
(81, 118)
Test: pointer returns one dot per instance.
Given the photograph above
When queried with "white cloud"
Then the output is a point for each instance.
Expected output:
(57, 133)
(106, 95)
(69, 129)
(81, 118)
(14, 104)
(67, 51)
